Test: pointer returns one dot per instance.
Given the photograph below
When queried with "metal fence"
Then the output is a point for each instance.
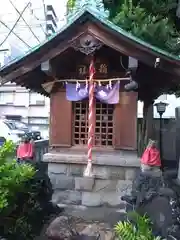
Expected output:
(168, 136)
(168, 139)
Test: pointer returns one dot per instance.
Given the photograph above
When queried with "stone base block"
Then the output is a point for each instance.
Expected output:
(62, 182)
(67, 197)
(105, 188)
(84, 183)
(108, 172)
(57, 168)
(109, 199)
(91, 199)
(105, 185)
(99, 171)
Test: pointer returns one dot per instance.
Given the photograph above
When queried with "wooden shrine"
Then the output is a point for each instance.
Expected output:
(111, 130)
(62, 59)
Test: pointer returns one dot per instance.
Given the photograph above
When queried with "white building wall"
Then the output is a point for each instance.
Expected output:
(32, 107)
(15, 100)
(172, 101)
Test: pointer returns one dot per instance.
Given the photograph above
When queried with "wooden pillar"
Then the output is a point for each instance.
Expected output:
(117, 126)
(60, 120)
(145, 128)
(149, 123)
(177, 112)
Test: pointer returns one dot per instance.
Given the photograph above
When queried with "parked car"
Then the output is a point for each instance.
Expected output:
(15, 130)
(2, 141)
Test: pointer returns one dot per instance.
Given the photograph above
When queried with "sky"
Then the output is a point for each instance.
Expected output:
(34, 16)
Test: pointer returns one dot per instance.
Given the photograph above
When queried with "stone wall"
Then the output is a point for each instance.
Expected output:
(105, 188)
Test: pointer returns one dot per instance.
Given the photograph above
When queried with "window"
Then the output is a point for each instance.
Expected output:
(13, 117)
(16, 125)
(6, 97)
(36, 99)
(103, 124)
(38, 120)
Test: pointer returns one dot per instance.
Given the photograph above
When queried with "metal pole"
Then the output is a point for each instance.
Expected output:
(160, 137)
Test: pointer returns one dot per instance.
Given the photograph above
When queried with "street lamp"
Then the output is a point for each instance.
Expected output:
(161, 108)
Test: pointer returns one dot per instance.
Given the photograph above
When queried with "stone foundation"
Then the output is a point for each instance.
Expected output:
(111, 179)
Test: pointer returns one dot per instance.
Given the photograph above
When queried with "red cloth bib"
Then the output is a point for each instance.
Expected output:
(151, 157)
(25, 150)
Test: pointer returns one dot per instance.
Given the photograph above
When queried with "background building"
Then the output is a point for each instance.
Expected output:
(39, 20)
(170, 110)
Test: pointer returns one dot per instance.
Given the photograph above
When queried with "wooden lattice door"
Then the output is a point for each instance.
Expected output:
(80, 123)
(103, 123)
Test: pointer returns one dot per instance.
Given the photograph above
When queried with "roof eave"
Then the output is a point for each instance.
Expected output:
(88, 13)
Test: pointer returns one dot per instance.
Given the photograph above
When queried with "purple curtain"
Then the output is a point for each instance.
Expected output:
(76, 94)
(108, 95)
(103, 93)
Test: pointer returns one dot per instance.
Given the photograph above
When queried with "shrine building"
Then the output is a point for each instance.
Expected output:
(60, 69)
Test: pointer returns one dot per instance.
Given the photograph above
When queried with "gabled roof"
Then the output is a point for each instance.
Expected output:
(86, 13)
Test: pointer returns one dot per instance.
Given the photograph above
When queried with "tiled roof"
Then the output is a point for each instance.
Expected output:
(102, 19)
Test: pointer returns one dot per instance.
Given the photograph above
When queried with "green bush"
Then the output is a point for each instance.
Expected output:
(139, 230)
(24, 194)
(12, 176)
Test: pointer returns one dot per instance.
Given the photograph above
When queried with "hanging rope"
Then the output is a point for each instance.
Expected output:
(95, 80)
(49, 85)
(88, 170)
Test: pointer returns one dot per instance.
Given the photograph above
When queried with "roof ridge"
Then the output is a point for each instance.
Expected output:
(103, 19)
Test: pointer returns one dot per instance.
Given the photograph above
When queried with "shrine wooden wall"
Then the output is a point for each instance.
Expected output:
(124, 121)
(60, 120)
(108, 64)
